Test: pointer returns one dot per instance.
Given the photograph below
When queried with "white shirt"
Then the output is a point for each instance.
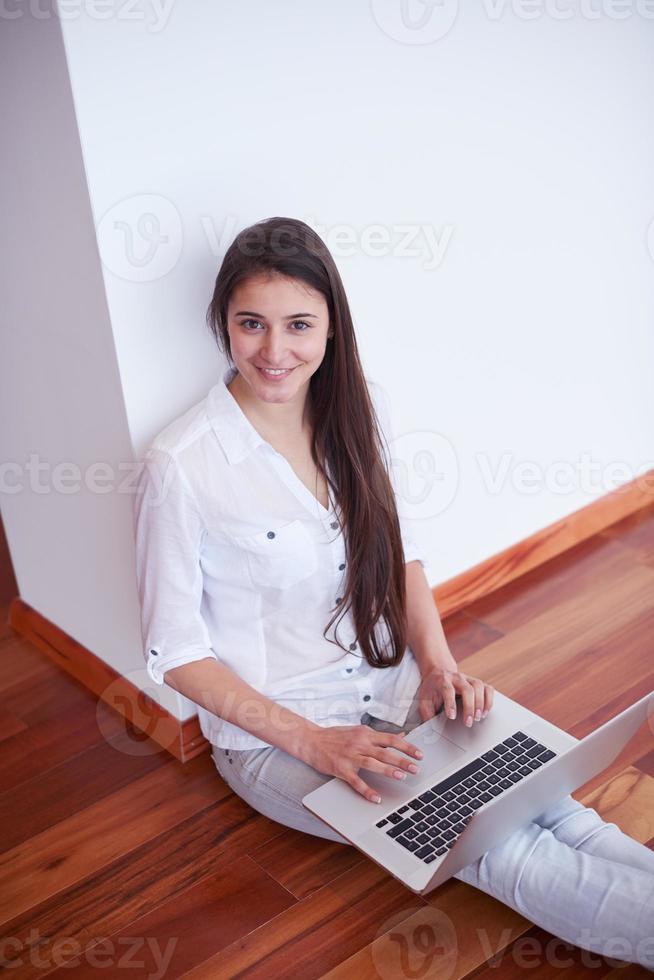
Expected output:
(237, 560)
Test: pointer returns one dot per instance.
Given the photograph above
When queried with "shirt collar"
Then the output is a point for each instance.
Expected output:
(235, 432)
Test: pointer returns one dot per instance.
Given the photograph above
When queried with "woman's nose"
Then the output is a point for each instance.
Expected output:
(274, 347)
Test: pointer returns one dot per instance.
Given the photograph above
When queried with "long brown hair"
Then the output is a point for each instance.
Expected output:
(346, 433)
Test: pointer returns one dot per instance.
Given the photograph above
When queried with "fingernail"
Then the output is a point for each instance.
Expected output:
(412, 767)
(484, 714)
(418, 754)
(477, 714)
(469, 721)
(452, 713)
(376, 799)
(399, 775)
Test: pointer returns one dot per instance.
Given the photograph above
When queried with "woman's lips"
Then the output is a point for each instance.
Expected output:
(274, 377)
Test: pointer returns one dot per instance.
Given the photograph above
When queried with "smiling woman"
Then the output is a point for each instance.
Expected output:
(267, 518)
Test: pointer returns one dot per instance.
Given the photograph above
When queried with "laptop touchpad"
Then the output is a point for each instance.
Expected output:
(437, 751)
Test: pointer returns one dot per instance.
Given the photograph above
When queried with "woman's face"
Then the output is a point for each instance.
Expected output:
(278, 323)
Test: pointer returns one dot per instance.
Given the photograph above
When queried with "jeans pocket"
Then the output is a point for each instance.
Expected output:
(222, 759)
(248, 764)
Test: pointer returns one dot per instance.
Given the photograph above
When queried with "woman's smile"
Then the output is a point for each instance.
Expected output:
(274, 374)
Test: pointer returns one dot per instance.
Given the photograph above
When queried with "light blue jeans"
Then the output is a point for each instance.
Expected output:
(568, 871)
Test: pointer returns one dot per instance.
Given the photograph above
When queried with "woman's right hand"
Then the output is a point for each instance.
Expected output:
(342, 750)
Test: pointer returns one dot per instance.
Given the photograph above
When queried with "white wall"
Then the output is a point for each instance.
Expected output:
(522, 147)
(62, 406)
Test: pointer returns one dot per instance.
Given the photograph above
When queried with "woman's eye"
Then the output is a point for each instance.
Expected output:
(302, 323)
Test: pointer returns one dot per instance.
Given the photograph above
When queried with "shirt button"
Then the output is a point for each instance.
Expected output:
(334, 525)
(341, 567)
(339, 599)
(154, 653)
(353, 646)
(366, 697)
(271, 534)
(349, 670)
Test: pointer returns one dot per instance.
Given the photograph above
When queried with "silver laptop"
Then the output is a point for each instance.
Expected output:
(476, 786)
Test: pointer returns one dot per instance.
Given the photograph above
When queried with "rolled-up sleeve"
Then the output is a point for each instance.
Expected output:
(168, 533)
(380, 401)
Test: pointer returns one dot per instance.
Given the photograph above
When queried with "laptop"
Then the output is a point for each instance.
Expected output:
(476, 786)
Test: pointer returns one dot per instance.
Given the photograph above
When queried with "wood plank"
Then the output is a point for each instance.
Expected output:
(47, 743)
(466, 635)
(303, 863)
(46, 696)
(8, 586)
(210, 915)
(21, 662)
(86, 842)
(581, 569)
(10, 725)
(626, 693)
(631, 972)
(646, 762)
(560, 646)
(539, 954)
(440, 940)
(74, 785)
(315, 934)
(6, 631)
(206, 847)
(627, 799)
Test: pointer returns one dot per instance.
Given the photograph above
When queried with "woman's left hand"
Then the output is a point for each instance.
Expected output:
(440, 686)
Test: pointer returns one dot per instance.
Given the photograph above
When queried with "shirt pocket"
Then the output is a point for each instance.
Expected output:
(279, 556)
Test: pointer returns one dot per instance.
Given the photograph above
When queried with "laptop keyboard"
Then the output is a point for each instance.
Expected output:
(430, 824)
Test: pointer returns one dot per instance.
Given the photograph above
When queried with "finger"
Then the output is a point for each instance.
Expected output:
(488, 699)
(392, 771)
(387, 756)
(440, 702)
(362, 787)
(448, 692)
(426, 708)
(467, 693)
(401, 743)
(478, 686)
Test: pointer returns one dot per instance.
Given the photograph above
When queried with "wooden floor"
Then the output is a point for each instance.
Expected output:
(115, 855)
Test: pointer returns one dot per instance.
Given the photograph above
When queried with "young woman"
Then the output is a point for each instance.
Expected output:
(283, 595)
